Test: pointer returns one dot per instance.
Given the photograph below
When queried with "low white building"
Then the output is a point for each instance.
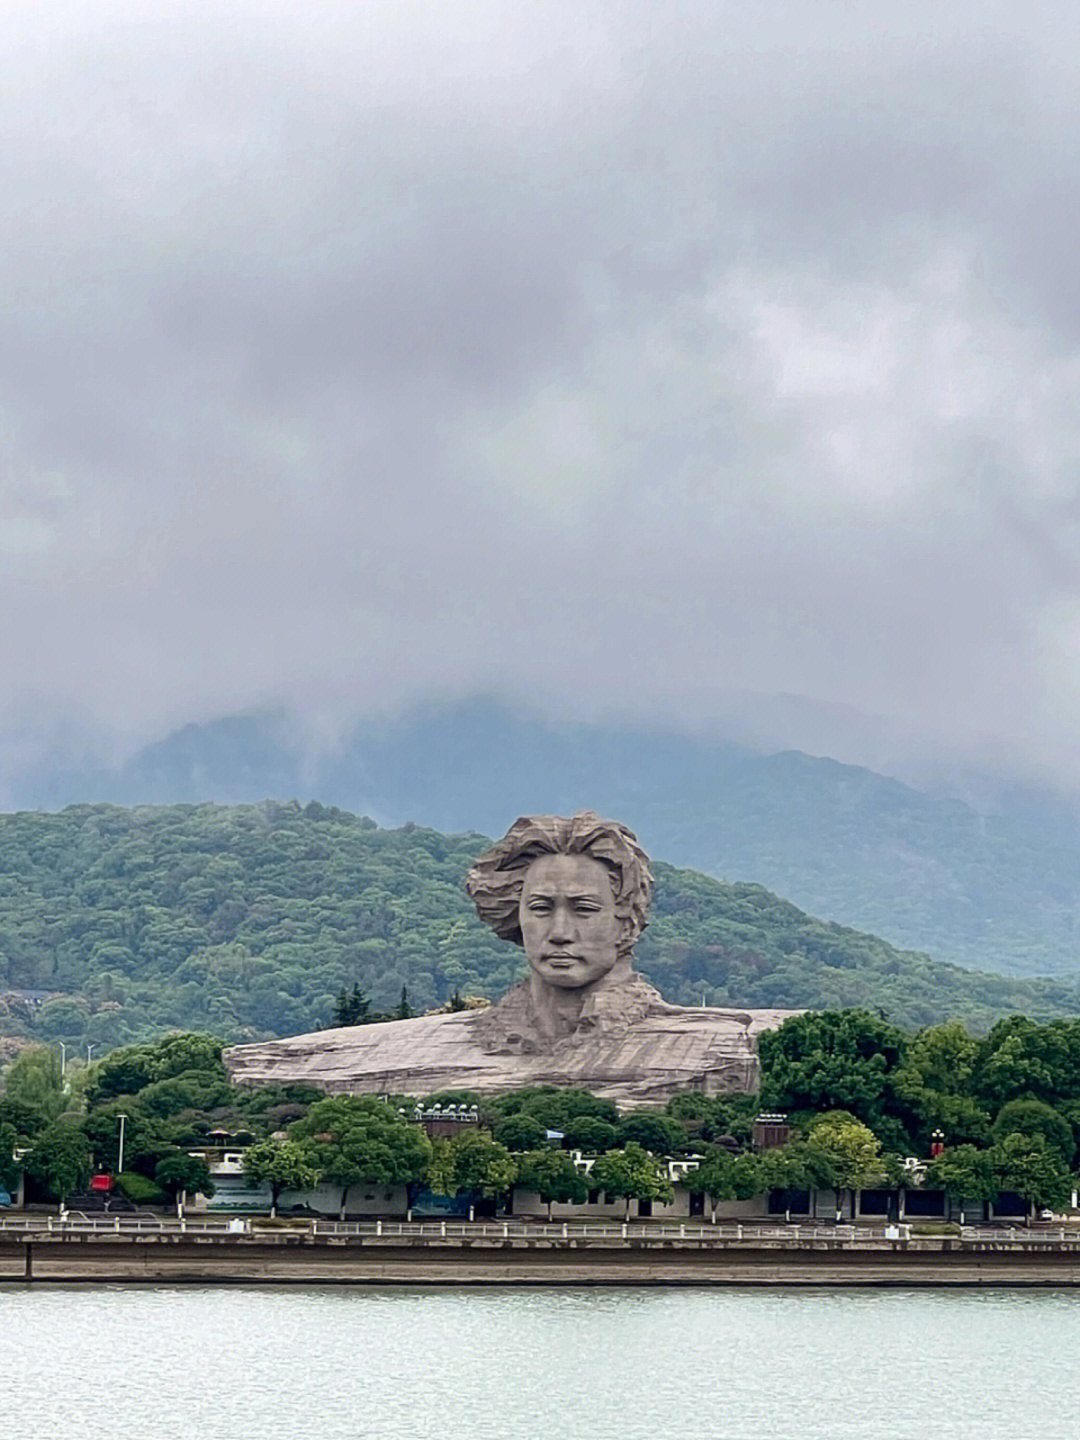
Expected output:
(233, 1191)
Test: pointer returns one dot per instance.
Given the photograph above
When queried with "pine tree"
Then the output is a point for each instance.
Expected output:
(351, 1009)
(403, 1010)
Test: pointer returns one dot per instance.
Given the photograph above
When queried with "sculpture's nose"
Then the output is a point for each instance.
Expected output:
(561, 930)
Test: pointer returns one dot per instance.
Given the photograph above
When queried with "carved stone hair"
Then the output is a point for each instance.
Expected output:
(496, 879)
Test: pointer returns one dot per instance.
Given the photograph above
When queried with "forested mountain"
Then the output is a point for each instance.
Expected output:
(249, 920)
(997, 891)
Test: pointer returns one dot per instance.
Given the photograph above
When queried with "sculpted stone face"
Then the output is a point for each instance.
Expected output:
(568, 921)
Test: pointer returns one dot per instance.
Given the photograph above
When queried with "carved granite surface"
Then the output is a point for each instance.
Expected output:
(669, 1048)
(574, 892)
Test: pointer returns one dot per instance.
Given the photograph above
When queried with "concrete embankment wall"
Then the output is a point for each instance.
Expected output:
(182, 1259)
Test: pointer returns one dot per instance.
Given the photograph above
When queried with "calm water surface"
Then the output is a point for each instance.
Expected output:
(413, 1364)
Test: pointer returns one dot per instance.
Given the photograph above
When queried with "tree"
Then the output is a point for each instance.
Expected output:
(708, 1117)
(133, 1068)
(590, 1134)
(358, 1140)
(798, 1167)
(689, 1105)
(723, 1176)
(9, 1169)
(964, 1172)
(520, 1132)
(632, 1174)
(60, 1159)
(190, 1090)
(472, 1162)
(1033, 1168)
(25, 1119)
(281, 1164)
(832, 1060)
(1020, 1059)
(933, 1085)
(553, 1176)
(556, 1107)
(182, 1053)
(1034, 1117)
(33, 1079)
(178, 1173)
(849, 1148)
(403, 1010)
(657, 1133)
(123, 1072)
(146, 1137)
(351, 1008)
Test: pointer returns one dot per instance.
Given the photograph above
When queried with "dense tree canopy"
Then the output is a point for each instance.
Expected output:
(282, 1165)
(178, 1172)
(632, 1174)
(553, 1176)
(904, 1091)
(851, 1150)
(357, 1139)
(471, 1163)
(61, 1158)
(1030, 1166)
(34, 1081)
(520, 1131)
(964, 1172)
(9, 1170)
(833, 1060)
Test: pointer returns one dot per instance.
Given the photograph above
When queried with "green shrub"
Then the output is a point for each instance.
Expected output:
(138, 1189)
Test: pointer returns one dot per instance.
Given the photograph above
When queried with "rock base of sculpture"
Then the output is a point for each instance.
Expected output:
(659, 1050)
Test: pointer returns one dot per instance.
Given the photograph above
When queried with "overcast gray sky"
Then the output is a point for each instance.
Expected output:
(620, 358)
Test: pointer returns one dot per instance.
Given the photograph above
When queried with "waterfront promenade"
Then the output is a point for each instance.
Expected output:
(40, 1248)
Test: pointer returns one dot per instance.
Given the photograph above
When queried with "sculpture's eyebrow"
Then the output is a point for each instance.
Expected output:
(549, 892)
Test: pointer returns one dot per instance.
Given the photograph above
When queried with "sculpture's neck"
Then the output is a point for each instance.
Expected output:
(556, 1012)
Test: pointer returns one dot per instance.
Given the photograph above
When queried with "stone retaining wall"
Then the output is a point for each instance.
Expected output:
(300, 1260)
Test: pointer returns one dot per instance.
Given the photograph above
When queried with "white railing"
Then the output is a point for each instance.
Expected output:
(532, 1230)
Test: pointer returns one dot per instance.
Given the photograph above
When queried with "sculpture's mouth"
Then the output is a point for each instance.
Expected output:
(561, 962)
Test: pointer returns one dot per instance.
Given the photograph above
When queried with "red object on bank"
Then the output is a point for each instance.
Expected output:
(102, 1183)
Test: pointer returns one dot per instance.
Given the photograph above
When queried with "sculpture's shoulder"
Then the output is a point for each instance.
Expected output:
(631, 1046)
(714, 1017)
(388, 1050)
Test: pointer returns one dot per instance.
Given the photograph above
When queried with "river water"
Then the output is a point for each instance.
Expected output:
(403, 1363)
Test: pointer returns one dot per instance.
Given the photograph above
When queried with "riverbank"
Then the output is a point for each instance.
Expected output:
(498, 1253)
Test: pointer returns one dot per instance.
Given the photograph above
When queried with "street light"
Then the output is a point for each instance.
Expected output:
(120, 1158)
(90, 1050)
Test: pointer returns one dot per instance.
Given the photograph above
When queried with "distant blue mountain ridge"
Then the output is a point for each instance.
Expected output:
(993, 891)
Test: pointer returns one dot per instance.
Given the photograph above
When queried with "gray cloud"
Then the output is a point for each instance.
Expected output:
(625, 359)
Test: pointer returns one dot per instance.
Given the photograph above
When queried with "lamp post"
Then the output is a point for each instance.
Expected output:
(63, 1058)
(90, 1050)
(120, 1158)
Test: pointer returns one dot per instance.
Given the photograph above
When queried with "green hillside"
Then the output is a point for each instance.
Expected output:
(248, 920)
(992, 888)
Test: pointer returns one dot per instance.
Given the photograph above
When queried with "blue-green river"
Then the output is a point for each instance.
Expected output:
(403, 1363)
